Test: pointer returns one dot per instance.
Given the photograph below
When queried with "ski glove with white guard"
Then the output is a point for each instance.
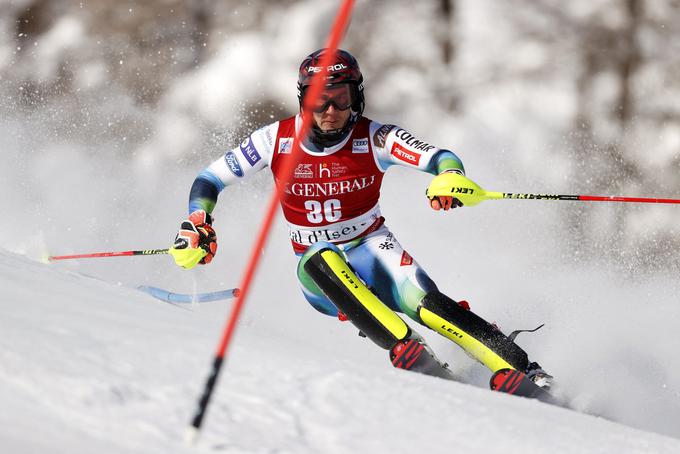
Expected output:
(196, 241)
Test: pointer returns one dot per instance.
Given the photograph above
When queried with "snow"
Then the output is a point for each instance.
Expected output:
(99, 366)
(88, 365)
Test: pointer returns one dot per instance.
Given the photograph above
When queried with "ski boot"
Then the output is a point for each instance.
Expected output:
(415, 355)
(536, 374)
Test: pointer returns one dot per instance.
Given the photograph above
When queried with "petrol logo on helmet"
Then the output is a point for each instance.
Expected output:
(335, 67)
(233, 164)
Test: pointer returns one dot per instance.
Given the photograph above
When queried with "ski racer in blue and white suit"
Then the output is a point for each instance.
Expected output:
(331, 201)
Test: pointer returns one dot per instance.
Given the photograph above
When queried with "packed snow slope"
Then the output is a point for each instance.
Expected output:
(91, 366)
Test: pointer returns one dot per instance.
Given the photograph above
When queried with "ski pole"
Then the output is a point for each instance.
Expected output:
(170, 297)
(338, 29)
(471, 194)
(107, 254)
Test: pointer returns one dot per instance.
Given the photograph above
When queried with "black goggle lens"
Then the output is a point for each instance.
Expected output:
(340, 96)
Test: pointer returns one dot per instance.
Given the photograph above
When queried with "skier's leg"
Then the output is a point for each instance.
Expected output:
(477, 337)
(313, 294)
(393, 275)
(402, 284)
(480, 339)
(327, 269)
(331, 273)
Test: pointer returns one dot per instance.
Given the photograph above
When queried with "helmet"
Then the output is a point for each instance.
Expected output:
(343, 70)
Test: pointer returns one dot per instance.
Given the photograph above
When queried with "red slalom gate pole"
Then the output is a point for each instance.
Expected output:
(339, 27)
(52, 258)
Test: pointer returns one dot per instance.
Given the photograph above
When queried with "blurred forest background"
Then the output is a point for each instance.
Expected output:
(579, 97)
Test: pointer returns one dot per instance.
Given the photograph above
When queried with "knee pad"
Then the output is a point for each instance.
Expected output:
(333, 275)
(478, 338)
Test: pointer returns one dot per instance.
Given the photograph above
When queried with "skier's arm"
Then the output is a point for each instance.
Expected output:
(445, 161)
(396, 146)
(251, 156)
(196, 241)
(204, 191)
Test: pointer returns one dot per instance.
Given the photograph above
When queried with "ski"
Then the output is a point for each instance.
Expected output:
(170, 297)
(514, 382)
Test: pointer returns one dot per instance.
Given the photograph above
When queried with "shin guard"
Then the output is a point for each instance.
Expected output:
(331, 273)
(479, 339)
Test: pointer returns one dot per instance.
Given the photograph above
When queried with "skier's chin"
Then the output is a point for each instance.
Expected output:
(327, 126)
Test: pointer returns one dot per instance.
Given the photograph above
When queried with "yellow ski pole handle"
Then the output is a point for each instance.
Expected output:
(456, 185)
(471, 194)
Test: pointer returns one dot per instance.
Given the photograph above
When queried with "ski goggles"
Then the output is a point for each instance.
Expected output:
(340, 96)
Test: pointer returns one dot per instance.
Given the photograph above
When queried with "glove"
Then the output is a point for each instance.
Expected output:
(196, 241)
(443, 202)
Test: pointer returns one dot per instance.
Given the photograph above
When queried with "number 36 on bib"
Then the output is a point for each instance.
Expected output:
(317, 211)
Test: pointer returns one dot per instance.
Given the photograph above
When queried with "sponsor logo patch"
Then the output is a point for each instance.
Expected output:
(304, 171)
(331, 68)
(338, 170)
(233, 164)
(406, 259)
(360, 146)
(380, 136)
(250, 152)
(412, 142)
(401, 153)
(268, 136)
(334, 170)
(330, 188)
(286, 145)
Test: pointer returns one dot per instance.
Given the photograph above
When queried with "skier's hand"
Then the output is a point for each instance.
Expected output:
(443, 202)
(196, 241)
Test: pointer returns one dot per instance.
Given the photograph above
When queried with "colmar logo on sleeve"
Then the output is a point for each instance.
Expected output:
(405, 155)
(412, 142)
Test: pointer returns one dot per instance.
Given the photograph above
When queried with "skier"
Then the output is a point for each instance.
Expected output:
(351, 265)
